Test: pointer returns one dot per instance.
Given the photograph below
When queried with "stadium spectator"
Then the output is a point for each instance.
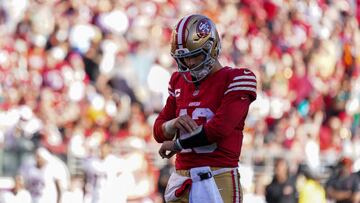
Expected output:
(46, 179)
(356, 197)
(104, 173)
(283, 185)
(18, 194)
(343, 186)
(309, 186)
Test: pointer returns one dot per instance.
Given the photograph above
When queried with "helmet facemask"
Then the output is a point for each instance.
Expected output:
(199, 71)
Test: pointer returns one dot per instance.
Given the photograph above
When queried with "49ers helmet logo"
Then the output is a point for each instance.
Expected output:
(204, 28)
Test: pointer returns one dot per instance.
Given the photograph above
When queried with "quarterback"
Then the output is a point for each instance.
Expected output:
(203, 118)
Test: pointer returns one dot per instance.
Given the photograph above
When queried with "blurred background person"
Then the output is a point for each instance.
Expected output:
(164, 176)
(283, 185)
(75, 192)
(357, 194)
(343, 186)
(104, 173)
(44, 178)
(309, 186)
(19, 194)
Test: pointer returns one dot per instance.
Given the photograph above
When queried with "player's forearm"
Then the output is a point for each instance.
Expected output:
(339, 195)
(166, 114)
(169, 129)
(228, 118)
(160, 133)
(342, 195)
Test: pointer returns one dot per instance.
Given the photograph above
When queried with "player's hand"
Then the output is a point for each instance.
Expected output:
(167, 149)
(185, 123)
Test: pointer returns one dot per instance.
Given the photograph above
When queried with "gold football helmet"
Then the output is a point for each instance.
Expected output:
(194, 35)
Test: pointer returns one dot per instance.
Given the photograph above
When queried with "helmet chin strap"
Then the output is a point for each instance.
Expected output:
(199, 72)
(196, 83)
(197, 76)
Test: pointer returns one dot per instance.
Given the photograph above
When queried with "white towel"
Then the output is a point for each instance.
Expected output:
(204, 190)
(175, 182)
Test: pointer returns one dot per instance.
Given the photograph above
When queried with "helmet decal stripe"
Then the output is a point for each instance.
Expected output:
(184, 30)
(177, 32)
(181, 31)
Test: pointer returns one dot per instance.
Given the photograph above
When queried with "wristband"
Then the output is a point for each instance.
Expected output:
(177, 145)
(197, 139)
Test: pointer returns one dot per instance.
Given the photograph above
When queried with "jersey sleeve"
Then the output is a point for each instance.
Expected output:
(242, 81)
(230, 117)
(166, 114)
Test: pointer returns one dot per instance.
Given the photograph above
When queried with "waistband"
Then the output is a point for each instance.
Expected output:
(215, 171)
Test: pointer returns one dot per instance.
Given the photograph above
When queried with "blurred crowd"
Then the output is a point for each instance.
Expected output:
(81, 82)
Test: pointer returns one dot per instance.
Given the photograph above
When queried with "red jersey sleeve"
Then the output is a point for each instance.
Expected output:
(242, 81)
(166, 114)
(230, 116)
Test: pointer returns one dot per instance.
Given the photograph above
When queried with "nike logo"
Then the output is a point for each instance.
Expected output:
(247, 72)
(177, 92)
(243, 98)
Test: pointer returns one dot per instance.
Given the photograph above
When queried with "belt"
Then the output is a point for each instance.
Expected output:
(202, 176)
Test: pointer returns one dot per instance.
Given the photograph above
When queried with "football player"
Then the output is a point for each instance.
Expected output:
(203, 118)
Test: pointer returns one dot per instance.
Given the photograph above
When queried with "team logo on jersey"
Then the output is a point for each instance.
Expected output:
(177, 92)
(204, 27)
(194, 103)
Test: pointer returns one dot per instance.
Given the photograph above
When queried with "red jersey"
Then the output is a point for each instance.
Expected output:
(220, 104)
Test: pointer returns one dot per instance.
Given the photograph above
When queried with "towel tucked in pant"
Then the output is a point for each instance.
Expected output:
(228, 185)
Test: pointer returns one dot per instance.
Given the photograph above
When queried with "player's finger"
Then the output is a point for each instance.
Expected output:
(185, 126)
(170, 154)
(180, 124)
(190, 121)
(185, 117)
(193, 125)
(162, 152)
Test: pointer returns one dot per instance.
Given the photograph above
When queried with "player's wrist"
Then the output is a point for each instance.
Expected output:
(177, 146)
(169, 128)
(197, 138)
